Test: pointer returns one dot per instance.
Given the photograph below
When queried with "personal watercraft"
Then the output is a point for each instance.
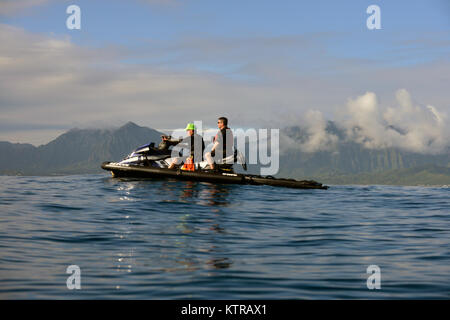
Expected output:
(150, 162)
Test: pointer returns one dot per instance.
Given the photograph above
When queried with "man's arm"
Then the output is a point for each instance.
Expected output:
(214, 146)
(167, 141)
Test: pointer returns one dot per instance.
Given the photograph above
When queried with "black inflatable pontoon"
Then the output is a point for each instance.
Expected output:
(141, 171)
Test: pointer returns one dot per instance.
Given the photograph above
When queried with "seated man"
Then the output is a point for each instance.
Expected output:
(192, 142)
(223, 144)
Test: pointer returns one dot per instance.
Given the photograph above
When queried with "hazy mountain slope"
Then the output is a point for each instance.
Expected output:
(82, 151)
(422, 175)
(350, 162)
(76, 151)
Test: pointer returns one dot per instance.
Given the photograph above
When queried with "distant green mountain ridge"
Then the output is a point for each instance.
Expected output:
(76, 151)
(429, 175)
(83, 150)
(350, 162)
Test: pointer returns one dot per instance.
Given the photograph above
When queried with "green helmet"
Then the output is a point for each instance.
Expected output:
(190, 126)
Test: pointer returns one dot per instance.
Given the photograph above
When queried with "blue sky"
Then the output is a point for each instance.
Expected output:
(227, 48)
(118, 22)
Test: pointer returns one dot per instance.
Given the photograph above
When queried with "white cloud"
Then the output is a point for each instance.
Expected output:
(50, 80)
(47, 80)
(406, 125)
(318, 139)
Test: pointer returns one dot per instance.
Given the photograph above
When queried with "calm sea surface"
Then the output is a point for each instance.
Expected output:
(146, 239)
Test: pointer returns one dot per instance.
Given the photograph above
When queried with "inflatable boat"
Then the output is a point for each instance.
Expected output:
(150, 162)
(141, 171)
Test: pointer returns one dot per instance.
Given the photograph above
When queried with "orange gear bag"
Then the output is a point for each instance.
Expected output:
(188, 165)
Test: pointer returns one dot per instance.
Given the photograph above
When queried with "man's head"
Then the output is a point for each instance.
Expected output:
(222, 122)
(190, 128)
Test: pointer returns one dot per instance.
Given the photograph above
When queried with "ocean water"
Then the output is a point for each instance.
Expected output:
(162, 239)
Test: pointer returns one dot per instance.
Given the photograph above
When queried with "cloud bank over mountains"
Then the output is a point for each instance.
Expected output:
(405, 125)
(411, 127)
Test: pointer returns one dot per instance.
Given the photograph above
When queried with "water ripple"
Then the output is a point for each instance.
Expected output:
(164, 239)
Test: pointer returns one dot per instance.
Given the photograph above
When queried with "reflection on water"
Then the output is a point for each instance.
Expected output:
(184, 247)
(202, 193)
(220, 263)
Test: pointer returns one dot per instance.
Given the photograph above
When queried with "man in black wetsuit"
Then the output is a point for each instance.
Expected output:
(223, 144)
(193, 142)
